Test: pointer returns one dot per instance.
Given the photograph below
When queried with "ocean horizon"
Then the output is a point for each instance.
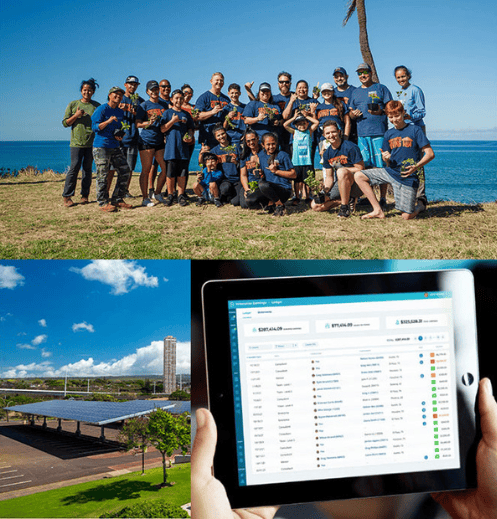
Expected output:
(463, 171)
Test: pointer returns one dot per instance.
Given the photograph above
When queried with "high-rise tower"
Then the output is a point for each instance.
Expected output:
(169, 364)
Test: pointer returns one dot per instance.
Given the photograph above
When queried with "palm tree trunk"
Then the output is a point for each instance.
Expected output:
(367, 56)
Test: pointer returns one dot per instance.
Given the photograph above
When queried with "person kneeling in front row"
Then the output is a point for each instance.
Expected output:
(405, 149)
(208, 181)
(340, 161)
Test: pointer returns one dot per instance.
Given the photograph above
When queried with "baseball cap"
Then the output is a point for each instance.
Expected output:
(116, 89)
(132, 79)
(340, 70)
(327, 86)
(265, 86)
(152, 84)
(363, 66)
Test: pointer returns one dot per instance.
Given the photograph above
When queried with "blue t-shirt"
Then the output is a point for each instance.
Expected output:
(404, 144)
(251, 164)
(285, 164)
(369, 125)
(205, 103)
(281, 101)
(152, 135)
(346, 94)
(228, 162)
(413, 100)
(235, 134)
(254, 108)
(105, 138)
(328, 112)
(346, 155)
(129, 107)
(212, 176)
(176, 147)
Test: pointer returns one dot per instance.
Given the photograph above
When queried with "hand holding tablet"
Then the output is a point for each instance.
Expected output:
(340, 387)
(209, 499)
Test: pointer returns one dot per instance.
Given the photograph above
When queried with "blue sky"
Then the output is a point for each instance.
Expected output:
(92, 318)
(49, 47)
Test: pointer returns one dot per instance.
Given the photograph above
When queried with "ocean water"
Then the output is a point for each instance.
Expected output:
(462, 171)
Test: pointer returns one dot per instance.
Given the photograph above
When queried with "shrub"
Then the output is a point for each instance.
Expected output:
(145, 509)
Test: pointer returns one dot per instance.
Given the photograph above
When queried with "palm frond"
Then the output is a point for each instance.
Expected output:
(350, 11)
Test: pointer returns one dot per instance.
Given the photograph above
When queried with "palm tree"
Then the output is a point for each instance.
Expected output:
(363, 33)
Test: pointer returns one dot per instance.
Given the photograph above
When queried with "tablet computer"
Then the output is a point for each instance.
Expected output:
(338, 387)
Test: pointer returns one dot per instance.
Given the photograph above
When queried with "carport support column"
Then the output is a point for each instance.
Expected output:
(78, 430)
(44, 422)
(102, 433)
(32, 419)
(59, 428)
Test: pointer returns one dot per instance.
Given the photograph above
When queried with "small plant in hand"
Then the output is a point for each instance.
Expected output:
(405, 165)
(121, 131)
(316, 90)
(271, 113)
(229, 119)
(195, 113)
(134, 98)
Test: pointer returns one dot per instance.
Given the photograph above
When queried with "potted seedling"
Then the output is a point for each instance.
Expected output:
(119, 132)
(230, 151)
(314, 186)
(316, 90)
(230, 116)
(405, 165)
(270, 112)
(373, 106)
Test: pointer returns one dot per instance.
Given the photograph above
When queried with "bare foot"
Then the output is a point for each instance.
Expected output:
(373, 214)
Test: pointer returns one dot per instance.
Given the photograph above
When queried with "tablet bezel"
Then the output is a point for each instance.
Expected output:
(215, 297)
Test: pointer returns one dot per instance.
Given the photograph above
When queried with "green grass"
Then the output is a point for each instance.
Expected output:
(96, 497)
(34, 224)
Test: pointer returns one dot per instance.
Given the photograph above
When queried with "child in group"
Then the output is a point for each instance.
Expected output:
(207, 185)
(178, 127)
(251, 197)
(228, 156)
(234, 123)
(302, 150)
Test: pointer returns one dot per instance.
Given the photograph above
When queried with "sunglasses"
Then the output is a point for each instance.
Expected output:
(284, 82)
(364, 73)
(165, 86)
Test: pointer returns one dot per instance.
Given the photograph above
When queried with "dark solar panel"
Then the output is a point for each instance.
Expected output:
(99, 413)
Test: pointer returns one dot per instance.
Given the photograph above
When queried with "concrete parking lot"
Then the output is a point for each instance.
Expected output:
(33, 458)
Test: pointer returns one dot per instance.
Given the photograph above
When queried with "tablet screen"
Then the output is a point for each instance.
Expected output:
(343, 386)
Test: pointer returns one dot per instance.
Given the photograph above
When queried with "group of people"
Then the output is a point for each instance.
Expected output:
(255, 155)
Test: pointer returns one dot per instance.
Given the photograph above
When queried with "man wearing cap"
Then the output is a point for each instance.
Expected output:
(107, 124)
(130, 101)
(344, 91)
(367, 105)
(262, 114)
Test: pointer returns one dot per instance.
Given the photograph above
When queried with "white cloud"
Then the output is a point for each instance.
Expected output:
(26, 346)
(121, 275)
(39, 339)
(10, 278)
(83, 326)
(147, 360)
(45, 354)
(42, 323)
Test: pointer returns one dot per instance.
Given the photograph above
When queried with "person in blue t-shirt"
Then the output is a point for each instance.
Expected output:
(301, 129)
(405, 149)
(228, 156)
(262, 114)
(207, 185)
(366, 107)
(250, 173)
(344, 91)
(341, 160)
(106, 122)
(178, 127)
(152, 145)
(234, 122)
(276, 175)
(211, 105)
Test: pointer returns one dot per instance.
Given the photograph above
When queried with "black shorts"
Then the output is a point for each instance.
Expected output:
(143, 147)
(177, 168)
(301, 172)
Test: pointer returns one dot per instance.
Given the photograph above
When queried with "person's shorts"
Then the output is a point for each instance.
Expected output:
(301, 172)
(334, 193)
(177, 168)
(144, 147)
(371, 151)
(405, 195)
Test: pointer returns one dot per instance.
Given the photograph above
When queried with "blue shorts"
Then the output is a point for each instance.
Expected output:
(371, 151)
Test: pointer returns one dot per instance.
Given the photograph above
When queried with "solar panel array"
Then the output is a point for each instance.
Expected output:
(99, 413)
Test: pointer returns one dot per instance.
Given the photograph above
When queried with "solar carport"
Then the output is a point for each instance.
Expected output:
(96, 413)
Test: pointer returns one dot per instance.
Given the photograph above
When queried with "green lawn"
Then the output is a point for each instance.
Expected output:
(96, 497)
